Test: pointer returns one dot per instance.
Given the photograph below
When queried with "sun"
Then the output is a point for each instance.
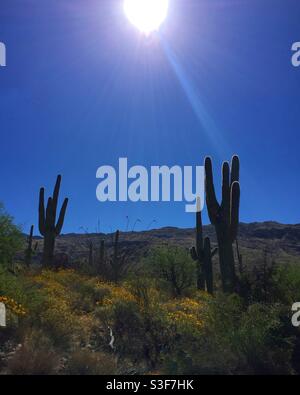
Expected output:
(146, 15)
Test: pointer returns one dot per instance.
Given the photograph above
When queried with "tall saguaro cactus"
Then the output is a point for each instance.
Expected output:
(225, 216)
(203, 255)
(48, 226)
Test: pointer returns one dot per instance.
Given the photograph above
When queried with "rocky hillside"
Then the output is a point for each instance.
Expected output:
(281, 241)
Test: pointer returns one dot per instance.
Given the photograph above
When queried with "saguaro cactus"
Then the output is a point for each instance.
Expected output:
(115, 260)
(29, 249)
(48, 226)
(202, 254)
(225, 216)
(91, 253)
(118, 261)
(101, 253)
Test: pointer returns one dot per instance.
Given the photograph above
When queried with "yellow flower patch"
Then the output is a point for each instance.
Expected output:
(11, 304)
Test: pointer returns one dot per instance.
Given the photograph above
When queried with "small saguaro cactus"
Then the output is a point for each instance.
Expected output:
(30, 250)
(91, 253)
(117, 262)
(101, 253)
(225, 216)
(203, 255)
(100, 260)
(48, 226)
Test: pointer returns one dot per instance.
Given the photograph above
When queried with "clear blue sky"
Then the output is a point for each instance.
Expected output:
(82, 88)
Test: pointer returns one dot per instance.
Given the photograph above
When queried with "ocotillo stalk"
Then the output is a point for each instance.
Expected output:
(29, 250)
(48, 226)
(203, 255)
(225, 217)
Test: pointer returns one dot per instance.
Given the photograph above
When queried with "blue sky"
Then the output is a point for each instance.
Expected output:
(82, 88)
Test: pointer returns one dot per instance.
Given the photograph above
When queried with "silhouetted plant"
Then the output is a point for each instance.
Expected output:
(48, 226)
(30, 249)
(225, 217)
(118, 261)
(202, 254)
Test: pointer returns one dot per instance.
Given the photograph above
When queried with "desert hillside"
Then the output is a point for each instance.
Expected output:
(282, 242)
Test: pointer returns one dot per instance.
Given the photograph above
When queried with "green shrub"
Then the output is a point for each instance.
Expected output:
(174, 268)
(10, 238)
(287, 280)
(235, 339)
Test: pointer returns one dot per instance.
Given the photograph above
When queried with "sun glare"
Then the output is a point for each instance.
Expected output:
(146, 15)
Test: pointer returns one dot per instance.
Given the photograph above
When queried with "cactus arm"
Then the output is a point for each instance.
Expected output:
(194, 254)
(42, 212)
(56, 194)
(49, 215)
(199, 232)
(208, 266)
(30, 236)
(235, 169)
(226, 192)
(234, 215)
(211, 200)
(61, 217)
(214, 252)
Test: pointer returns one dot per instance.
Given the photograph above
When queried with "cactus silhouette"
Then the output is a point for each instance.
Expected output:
(225, 216)
(48, 226)
(30, 250)
(101, 253)
(91, 253)
(117, 262)
(203, 255)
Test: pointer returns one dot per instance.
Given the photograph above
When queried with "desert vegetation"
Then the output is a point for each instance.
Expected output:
(175, 311)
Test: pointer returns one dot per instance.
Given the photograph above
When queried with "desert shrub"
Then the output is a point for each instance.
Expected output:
(86, 362)
(263, 340)
(10, 237)
(173, 267)
(139, 324)
(65, 318)
(287, 280)
(232, 339)
(36, 356)
(142, 334)
(24, 292)
(196, 350)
